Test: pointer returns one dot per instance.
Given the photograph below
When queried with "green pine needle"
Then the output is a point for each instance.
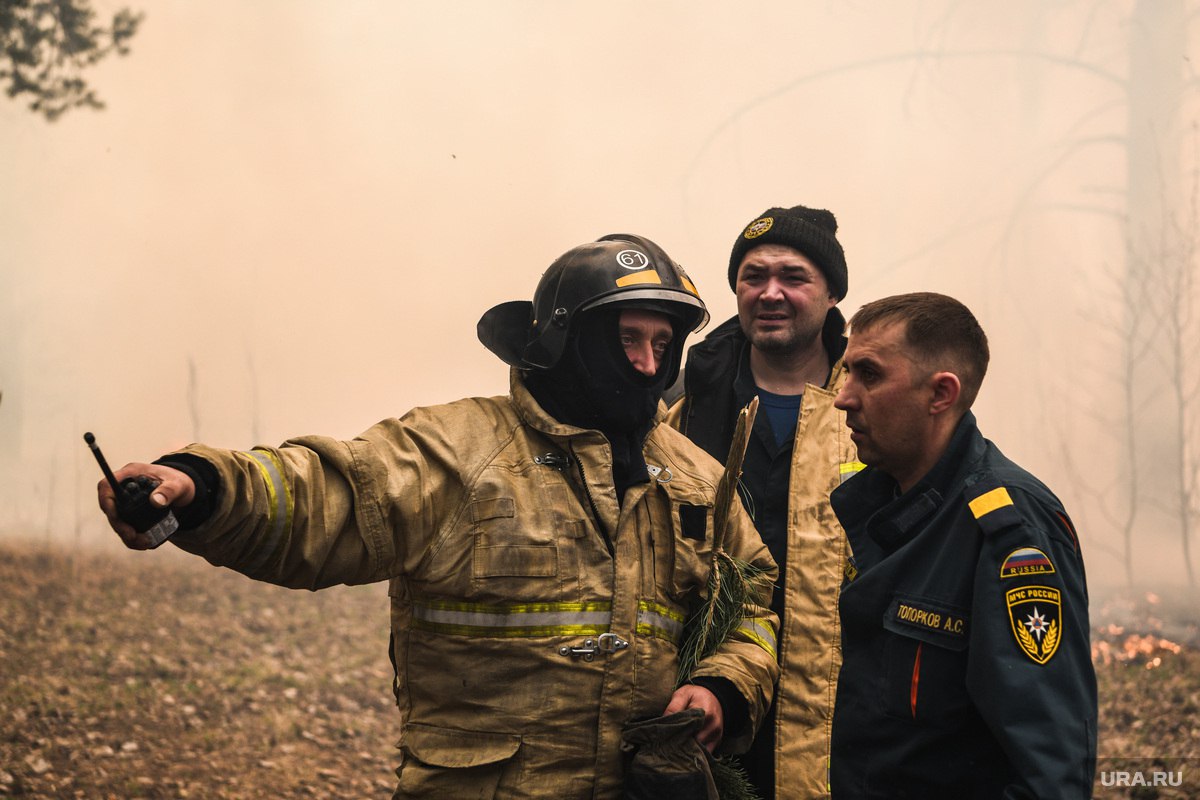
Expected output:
(733, 584)
(731, 780)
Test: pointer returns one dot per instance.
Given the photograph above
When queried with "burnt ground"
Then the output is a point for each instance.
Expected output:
(130, 675)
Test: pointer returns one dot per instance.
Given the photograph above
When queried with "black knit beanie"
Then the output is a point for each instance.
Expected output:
(809, 230)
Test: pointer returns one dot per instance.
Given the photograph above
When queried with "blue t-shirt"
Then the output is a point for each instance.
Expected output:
(782, 412)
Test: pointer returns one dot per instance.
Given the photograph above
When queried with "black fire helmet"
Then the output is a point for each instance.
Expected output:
(617, 268)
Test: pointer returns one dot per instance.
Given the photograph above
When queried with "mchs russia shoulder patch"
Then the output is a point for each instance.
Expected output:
(1035, 613)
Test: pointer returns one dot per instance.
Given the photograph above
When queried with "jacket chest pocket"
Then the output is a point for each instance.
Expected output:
(535, 537)
(508, 547)
(925, 659)
(679, 544)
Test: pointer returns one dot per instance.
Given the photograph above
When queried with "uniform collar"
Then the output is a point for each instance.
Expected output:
(870, 497)
(833, 336)
(964, 449)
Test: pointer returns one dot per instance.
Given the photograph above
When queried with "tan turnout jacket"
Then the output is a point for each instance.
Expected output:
(505, 547)
(811, 650)
(810, 655)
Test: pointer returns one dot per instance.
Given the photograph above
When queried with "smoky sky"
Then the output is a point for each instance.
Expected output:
(290, 215)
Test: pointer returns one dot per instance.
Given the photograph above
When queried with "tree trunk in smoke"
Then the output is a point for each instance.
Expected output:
(255, 413)
(12, 384)
(193, 396)
(1157, 52)
(1179, 267)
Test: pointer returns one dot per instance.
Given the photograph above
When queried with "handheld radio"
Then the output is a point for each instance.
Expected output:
(133, 501)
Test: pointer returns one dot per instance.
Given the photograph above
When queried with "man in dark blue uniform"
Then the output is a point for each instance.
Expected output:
(967, 667)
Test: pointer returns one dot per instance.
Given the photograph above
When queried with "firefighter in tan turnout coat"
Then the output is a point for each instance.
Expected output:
(542, 548)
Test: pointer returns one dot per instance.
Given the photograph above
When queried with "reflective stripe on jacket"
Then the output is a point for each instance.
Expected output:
(532, 615)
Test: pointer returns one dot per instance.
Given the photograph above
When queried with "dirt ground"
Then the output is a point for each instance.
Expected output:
(156, 676)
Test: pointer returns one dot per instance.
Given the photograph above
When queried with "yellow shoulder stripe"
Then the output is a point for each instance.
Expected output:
(987, 503)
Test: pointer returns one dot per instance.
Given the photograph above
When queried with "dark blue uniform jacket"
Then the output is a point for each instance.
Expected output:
(967, 666)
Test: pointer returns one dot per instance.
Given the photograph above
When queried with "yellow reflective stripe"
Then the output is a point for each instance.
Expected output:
(660, 621)
(659, 608)
(989, 502)
(512, 608)
(515, 632)
(849, 469)
(512, 620)
(645, 276)
(280, 505)
(760, 634)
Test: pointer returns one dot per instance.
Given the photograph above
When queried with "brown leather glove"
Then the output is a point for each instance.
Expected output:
(664, 759)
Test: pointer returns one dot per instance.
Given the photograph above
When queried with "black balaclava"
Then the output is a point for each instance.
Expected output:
(594, 385)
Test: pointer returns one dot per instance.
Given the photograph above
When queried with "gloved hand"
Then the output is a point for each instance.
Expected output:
(665, 760)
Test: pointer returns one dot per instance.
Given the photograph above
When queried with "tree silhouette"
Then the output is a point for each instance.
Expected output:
(45, 46)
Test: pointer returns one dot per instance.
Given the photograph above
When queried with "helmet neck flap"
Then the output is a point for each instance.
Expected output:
(595, 386)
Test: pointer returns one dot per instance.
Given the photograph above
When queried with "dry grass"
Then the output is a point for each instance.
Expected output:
(158, 676)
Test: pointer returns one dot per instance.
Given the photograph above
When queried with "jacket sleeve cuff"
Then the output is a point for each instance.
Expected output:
(734, 708)
(208, 485)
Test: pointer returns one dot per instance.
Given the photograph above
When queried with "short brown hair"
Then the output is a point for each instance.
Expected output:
(942, 332)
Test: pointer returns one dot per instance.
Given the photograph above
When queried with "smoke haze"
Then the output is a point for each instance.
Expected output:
(291, 214)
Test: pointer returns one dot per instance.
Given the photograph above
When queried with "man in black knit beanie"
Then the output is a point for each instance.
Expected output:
(785, 346)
